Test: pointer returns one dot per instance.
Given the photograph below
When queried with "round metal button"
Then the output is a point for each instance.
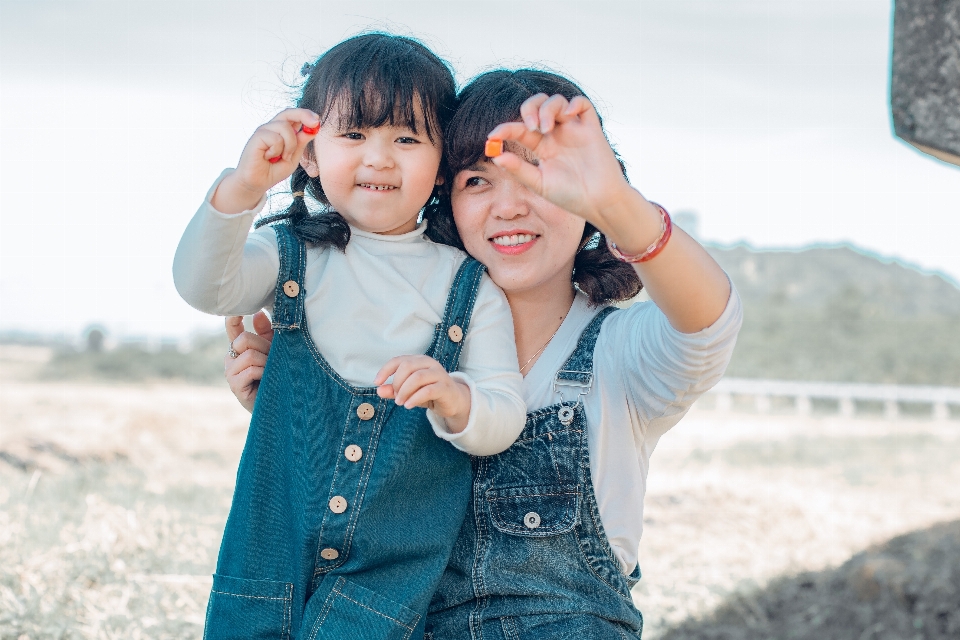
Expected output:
(455, 333)
(566, 415)
(532, 520)
(329, 554)
(291, 288)
(338, 504)
(353, 453)
(365, 411)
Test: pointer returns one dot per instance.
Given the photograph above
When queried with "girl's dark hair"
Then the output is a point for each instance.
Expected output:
(370, 80)
(495, 97)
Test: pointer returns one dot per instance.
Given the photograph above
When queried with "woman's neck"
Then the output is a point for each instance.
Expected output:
(537, 314)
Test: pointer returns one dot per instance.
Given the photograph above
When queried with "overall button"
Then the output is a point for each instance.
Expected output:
(532, 520)
(365, 411)
(338, 504)
(329, 554)
(353, 453)
(291, 288)
(455, 333)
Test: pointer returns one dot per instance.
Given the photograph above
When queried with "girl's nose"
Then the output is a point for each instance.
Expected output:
(377, 155)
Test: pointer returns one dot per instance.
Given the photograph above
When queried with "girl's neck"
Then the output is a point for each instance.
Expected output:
(537, 314)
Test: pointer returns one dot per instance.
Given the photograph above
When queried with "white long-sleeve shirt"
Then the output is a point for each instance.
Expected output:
(381, 298)
(646, 376)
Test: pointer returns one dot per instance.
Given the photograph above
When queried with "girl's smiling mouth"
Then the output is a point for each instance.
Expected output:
(514, 242)
(369, 186)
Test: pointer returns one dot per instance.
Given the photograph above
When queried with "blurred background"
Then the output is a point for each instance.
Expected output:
(812, 496)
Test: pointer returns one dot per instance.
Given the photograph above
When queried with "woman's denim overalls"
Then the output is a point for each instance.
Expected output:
(346, 506)
(532, 560)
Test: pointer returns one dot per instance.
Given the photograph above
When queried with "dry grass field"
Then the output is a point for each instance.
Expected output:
(112, 500)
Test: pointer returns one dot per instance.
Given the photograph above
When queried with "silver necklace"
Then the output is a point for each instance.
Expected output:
(540, 350)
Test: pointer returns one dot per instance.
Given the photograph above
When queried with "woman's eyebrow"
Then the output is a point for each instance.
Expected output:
(478, 166)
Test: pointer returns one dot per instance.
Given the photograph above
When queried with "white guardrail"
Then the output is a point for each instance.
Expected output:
(846, 395)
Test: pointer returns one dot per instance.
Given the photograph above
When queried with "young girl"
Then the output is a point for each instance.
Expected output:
(347, 503)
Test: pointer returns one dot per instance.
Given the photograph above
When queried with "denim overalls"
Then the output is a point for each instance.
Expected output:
(532, 560)
(346, 506)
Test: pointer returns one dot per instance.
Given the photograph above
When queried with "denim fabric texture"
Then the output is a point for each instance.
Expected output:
(532, 560)
(322, 543)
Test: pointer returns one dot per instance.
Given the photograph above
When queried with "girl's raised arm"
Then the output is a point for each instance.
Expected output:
(559, 151)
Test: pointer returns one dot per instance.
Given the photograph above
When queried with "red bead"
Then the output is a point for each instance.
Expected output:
(275, 160)
(310, 130)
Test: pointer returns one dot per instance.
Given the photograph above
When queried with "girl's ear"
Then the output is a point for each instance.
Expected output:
(309, 164)
(439, 181)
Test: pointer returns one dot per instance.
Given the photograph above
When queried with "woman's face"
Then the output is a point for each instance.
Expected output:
(525, 241)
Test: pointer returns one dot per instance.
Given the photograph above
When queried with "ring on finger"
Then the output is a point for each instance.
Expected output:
(232, 352)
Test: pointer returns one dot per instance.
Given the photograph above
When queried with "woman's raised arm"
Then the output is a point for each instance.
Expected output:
(571, 164)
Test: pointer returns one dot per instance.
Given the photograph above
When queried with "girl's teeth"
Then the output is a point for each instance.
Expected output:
(514, 240)
(377, 187)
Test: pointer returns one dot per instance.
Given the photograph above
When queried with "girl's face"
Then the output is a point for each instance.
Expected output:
(377, 178)
(525, 241)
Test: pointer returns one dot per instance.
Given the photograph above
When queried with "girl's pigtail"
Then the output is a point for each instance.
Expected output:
(602, 277)
(326, 229)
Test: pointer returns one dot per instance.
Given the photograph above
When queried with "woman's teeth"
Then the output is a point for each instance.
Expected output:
(377, 187)
(514, 240)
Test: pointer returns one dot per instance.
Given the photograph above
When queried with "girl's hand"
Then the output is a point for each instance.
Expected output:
(271, 155)
(244, 372)
(420, 381)
(559, 152)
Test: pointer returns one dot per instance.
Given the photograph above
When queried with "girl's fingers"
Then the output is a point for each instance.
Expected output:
(387, 370)
(289, 136)
(413, 383)
(247, 341)
(297, 118)
(234, 325)
(424, 397)
(530, 111)
(550, 111)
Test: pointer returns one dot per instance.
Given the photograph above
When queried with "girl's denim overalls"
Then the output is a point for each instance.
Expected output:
(532, 560)
(346, 506)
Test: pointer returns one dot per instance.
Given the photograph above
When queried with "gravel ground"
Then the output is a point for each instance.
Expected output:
(113, 498)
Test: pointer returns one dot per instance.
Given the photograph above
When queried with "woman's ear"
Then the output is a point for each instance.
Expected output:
(309, 164)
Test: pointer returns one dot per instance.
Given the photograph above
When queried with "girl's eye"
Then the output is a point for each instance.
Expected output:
(408, 140)
(353, 135)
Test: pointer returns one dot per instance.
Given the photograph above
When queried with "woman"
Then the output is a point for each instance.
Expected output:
(549, 546)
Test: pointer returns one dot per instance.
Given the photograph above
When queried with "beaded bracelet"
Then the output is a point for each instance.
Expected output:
(654, 249)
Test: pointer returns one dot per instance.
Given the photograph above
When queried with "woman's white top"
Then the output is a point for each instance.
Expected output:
(382, 297)
(646, 376)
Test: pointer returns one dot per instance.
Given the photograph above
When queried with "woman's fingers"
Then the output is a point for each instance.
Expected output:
(550, 113)
(262, 325)
(530, 111)
(517, 132)
(526, 174)
(234, 326)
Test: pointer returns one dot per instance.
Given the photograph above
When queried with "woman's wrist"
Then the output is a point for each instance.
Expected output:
(632, 222)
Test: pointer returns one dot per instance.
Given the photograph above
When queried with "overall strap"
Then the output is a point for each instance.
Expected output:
(452, 330)
(577, 371)
(288, 299)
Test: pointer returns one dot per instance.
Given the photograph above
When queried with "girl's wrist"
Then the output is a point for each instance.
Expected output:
(235, 196)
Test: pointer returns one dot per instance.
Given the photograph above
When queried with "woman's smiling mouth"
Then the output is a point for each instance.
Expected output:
(512, 243)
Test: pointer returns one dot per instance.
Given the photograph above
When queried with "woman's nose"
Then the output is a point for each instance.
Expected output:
(511, 201)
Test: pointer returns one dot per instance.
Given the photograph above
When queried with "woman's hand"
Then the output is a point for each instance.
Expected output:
(420, 381)
(244, 372)
(559, 152)
(271, 155)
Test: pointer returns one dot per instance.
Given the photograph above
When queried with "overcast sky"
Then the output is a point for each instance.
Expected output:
(768, 118)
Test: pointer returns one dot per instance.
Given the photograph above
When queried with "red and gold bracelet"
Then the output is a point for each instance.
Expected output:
(654, 249)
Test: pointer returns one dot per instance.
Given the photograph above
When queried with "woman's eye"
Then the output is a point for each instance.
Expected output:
(474, 181)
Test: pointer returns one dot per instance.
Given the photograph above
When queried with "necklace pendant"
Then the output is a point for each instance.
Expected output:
(565, 415)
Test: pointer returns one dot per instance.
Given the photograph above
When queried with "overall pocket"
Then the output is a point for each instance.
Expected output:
(352, 611)
(536, 512)
(244, 609)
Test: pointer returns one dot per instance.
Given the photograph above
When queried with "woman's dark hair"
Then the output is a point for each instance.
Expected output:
(495, 97)
(369, 80)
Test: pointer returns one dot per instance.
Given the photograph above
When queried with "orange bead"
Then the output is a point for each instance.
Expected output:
(493, 148)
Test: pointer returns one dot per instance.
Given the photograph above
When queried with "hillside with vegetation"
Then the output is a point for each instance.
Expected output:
(836, 314)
